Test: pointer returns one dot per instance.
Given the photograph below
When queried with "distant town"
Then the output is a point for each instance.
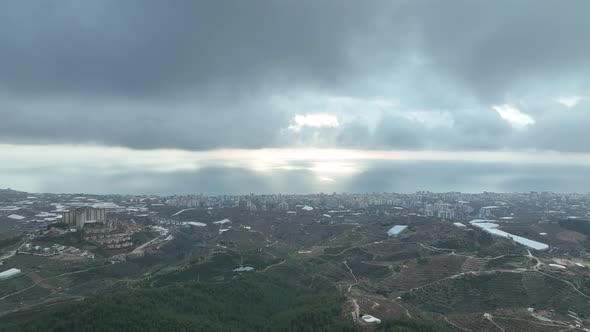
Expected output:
(109, 221)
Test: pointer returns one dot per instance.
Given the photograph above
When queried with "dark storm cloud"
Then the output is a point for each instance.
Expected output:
(489, 45)
(150, 74)
(203, 74)
(190, 125)
(563, 130)
(147, 47)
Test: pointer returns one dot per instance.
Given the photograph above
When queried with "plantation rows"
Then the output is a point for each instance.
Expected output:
(498, 290)
(422, 271)
(476, 322)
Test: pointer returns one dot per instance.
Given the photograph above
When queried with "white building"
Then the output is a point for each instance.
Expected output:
(84, 215)
(440, 210)
(395, 230)
(490, 227)
(9, 273)
(446, 214)
(487, 211)
(370, 319)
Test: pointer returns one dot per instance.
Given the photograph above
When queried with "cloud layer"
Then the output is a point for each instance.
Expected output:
(201, 75)
(380, 75)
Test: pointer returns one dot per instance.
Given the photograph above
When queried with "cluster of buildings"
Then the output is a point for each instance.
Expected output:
(449, 206)
(53, 250)
(108, 238)
(97, 228)
(282, 202)
(201, 201)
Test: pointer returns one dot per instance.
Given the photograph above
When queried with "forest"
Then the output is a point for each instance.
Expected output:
(246, 303)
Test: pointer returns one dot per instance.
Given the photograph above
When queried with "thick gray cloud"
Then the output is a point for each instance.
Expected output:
(206, 74)
(561, 130)
(158, 124)
(493, 46)
(142, 48)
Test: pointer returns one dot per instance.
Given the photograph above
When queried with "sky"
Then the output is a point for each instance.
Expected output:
(264, 96)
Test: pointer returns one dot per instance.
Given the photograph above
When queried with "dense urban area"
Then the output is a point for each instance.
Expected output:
(377, 261)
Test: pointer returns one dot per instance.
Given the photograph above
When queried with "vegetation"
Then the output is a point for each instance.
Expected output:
(498, 290)
(577, 225)
(453, 243)
(248, 303)
(10, 241)
(142, 237)
(499, 246)
(509, 262)
(217, 267)
(67, 239)
(406, 325)
(368, 270)
(60, 224)
(402, 256)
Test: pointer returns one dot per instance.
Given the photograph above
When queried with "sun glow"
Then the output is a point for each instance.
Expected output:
(515, 117)
(316, 120)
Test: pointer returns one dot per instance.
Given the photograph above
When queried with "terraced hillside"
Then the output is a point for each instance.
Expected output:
(494, 290)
